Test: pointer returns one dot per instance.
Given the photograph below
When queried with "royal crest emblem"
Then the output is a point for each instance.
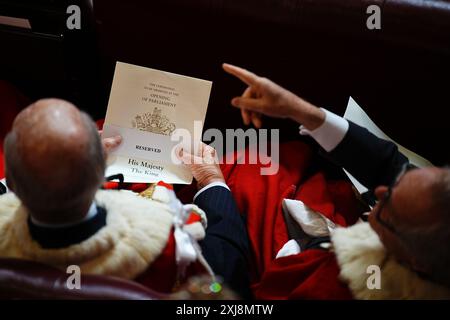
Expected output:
(154, 122)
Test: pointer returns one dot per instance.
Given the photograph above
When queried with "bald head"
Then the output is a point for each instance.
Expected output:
(54, 160)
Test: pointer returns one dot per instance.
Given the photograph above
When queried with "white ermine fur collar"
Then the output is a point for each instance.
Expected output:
(357, 248)
(136, 232)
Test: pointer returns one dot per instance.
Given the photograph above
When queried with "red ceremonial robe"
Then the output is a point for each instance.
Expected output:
(312, 274)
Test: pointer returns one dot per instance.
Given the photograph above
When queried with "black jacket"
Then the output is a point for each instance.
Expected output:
(371, 160)
(226, 244)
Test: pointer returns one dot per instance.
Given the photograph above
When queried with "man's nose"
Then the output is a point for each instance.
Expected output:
(380, 192)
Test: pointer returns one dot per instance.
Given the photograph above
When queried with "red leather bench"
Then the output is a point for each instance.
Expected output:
(20, 279)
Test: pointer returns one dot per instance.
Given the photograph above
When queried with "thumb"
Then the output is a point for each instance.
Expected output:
(189, 159)
(112, 142)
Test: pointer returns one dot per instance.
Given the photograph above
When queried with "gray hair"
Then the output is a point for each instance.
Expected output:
(429, 243)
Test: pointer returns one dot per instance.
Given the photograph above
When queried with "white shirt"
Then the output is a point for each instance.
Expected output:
(330, 133)
(212, 184)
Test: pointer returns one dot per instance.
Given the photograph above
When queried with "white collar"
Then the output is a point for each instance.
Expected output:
(92, 212)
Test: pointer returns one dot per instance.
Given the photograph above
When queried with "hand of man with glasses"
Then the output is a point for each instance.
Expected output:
(412, 214)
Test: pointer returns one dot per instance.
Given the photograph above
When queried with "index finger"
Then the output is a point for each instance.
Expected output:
(246, 76)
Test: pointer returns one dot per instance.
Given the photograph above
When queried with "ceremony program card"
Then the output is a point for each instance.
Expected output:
(357, 115)
(145, 107)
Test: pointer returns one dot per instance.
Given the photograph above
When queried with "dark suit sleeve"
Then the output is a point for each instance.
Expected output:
(226, 244)
(371, 160)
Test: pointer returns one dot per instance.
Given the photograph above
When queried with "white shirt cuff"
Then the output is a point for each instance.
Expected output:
(212, 184)
(330, 133)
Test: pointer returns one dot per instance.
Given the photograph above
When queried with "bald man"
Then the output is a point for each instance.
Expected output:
(57, 215)
(53, 163)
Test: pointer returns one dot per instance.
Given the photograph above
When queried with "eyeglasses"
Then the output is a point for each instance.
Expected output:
(387, 196)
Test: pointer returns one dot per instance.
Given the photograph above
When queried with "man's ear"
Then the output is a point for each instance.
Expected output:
(380, 192)
(383, 234)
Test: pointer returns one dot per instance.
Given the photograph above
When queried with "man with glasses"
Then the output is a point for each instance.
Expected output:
(401, 252)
